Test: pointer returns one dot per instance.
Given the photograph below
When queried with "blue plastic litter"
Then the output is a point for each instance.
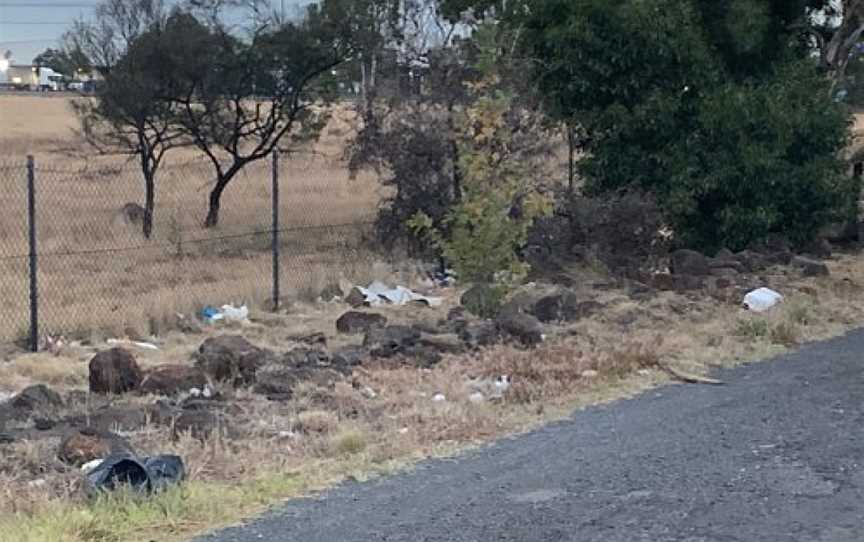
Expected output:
(210, 314)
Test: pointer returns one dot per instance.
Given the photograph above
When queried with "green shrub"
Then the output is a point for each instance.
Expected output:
(713, 106)
(484, 232)
(751, 328)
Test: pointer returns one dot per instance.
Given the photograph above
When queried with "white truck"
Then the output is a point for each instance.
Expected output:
(50, 80)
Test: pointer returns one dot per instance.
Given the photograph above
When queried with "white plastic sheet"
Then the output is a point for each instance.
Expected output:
(378, 294)
(762, 299)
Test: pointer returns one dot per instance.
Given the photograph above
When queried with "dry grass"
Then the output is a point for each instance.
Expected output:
(325, 435)
(322, 436)
(96, 271)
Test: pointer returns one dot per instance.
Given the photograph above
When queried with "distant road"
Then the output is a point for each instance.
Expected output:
(31, 94)
(776, 455)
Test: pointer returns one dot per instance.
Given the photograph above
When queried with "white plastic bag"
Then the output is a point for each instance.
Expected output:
(235, 314)
(762, 299)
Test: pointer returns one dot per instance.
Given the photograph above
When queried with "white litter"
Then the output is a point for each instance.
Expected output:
(762, 299)
(378, 294)
(476, 397)
(439, 398)
(90, 465)
(230, 313)
(139, 344)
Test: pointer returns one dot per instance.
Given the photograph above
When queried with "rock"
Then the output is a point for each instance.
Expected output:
(355, 298)
(483, 300)
(559, 307)
(724, 272)
(278, 384)
(87, 445)
(353, 322)
(811, 268)
(114, 371)
(479, 334)
(779, 258)
(36, 398)
(456, 313)
(726, 263)
(663, 281)
(109, 418)
(199, 424)
(331, 292)
(230, 358)
(588, 308)
(751, 261)
(523, 327)
(724, 254)
(305, 357)
(349, 356)
(684, 283)
(173, 379)
(447, 343)
(776, 244)
(423, 356)
(188, 325)
(312, 339)
(723, 282)
(44, 424)
(819, 248)
(840, 232)
(689, 262)
(391, 340)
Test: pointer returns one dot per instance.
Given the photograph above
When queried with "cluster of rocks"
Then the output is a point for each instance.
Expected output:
(692, 270)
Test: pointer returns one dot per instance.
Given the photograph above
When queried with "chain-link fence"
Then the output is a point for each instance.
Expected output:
(95, 270)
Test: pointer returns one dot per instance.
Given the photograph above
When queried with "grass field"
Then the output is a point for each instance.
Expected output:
(97, 271)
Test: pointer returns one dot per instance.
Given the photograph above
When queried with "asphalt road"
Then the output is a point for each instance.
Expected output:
(775, 455)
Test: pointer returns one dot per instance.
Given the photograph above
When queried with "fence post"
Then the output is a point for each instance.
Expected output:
(275, 233)
(31, 217)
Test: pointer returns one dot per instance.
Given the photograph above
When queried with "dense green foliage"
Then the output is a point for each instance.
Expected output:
(713, 106)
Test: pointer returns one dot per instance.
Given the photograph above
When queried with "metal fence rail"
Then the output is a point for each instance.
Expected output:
(73, 257)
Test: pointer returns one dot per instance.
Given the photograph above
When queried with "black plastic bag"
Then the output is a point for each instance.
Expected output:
(144, 475)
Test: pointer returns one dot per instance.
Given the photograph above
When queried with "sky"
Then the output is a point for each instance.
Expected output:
(28, 27)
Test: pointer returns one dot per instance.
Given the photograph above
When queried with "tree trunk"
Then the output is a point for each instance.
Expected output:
(149, 203)
(571, 159)
(149, 164)
(454, 155)
(216, 201)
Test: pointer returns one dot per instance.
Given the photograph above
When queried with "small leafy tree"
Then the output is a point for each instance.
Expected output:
(488, 227)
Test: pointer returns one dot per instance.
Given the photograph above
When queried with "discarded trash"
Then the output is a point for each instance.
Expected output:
(90, 465)
(762, 299)
(378, 294)
(211, 315)
(235, 314)
(443, 278)
(439, 398)
(145, 475)
(139, 344)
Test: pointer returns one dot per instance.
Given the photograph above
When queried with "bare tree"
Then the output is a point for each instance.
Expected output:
(239, 99)
(128, 115)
